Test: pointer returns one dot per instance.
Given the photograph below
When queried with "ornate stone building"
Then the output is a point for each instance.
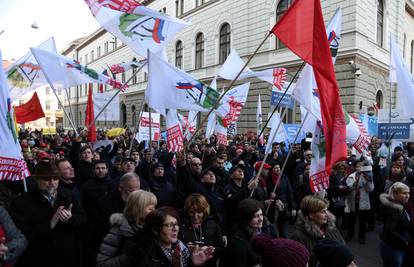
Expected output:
(219, 25)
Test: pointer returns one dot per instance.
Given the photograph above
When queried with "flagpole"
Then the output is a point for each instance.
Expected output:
(278, 103)
(69, 104)
(287, 157)
(266, 154)
(388, 128)
(150, 128)
(136, 126)
(228, 88)
(117, 92)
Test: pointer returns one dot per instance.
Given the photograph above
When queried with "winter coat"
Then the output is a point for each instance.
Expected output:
(59, 246)
(109, 204)
(163, 189)
(233, 195)
(112, 250)
(15, 241)
(239, 252)
(210, 235)
(396, 224)
(307, 233)
(83, 169)
(365, 186)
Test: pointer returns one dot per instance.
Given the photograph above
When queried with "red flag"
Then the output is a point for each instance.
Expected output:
(303, 31)
(90, 117)
(30, 111)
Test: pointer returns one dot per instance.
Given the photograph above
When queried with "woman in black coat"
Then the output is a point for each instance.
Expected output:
(395, 237)
(197, 228)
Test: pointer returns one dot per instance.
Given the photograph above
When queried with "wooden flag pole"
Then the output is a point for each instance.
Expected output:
(287, 157)
(117, 92)
(266, 155)
(228, 88)
(278, 103)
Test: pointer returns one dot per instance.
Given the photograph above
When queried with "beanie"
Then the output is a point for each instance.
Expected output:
(280, 252)
(332, 253)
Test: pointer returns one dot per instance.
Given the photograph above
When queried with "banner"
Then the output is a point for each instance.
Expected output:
(291, 132)
(143, 134)
(175, 138)
(287, 101)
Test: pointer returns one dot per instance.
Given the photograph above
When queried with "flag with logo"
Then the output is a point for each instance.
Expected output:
(175, 139)
(232, 104)
(64, 72)
(12, 165)
(192, 124)
(312, 46)
(172, 88)
(277, 132)
(124, 67)
(136, 25)
(318, 176)
(25, 74)
(29, 111)
(259, 120)
(221, 133)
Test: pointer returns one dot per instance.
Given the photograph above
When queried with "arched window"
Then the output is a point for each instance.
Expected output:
(224, 42)
(411, 56)
(280, 10)
(380, 22)
(123, 114)
(179, 54)
(379, 100)
(199, 51)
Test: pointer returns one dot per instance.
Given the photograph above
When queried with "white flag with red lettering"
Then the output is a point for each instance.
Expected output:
(175, 139)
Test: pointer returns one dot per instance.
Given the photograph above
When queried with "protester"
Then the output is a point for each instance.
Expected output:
(395, 236)
(112, 252)
(332, 253)
(315, 222)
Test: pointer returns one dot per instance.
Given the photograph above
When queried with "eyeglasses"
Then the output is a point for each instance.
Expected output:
(171, 225)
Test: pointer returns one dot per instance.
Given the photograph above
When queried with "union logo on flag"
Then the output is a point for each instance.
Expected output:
(279, 77)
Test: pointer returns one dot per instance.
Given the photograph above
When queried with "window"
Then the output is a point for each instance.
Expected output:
(92, 55)
(114, 43)
(199, 52)
(47, 105)
(411, 56)
(98, 51)
(404, 44)
(280, 10)
(177, 8)
(379, 100)
(163, 10)
(380, 22)
(134, 115)
(123, 77)
(199, 2)
(86, 59)
(181, 7)
(179, 54)
(106, 47)
(224, 48)
(124, 114)
(134, 79)
(47, 90)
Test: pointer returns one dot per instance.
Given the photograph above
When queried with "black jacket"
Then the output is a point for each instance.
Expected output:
(396, 224)
(164, 189)
(233, 194)
(109, 204)
(239, 251)
(59, 246)
(83, 169)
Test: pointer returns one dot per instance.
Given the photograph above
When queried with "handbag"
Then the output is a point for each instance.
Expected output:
(338, 202)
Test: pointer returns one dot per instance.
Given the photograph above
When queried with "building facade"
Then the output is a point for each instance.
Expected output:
(362, 64)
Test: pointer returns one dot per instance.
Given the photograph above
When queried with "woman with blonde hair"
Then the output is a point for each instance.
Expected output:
(124, 227)
(395, 236)
(314, 223)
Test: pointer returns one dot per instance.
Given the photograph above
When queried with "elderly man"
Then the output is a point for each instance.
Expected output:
(50, 219)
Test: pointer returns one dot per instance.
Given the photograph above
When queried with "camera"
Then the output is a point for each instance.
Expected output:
(351, 62)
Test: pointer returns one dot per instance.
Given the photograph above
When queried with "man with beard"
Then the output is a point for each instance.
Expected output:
(50, 218)
(221, 174)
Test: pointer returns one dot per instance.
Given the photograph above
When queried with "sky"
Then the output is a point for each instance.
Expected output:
(65, 20)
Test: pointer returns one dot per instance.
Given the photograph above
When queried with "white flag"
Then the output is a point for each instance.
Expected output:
(318, 177)
(25, 74)
(12, 165)
(172, 88)
(259, 119)
(136, 25)
(400, 74)
(277, 132)
(306, 91)
(64, 72)
(192, 124)
(221, 134)
(111, 113)
(124, 67)
(232, 104)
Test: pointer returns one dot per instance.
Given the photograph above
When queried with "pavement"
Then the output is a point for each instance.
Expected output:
(367, 255)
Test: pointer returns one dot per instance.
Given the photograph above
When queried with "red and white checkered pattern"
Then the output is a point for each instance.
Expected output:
(319, 181)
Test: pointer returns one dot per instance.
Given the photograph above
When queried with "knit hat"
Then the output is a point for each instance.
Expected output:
(280, 252)
(332, 253)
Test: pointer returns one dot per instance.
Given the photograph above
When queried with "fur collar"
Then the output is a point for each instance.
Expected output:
(387, 202)
(118, 219)
(305, 225)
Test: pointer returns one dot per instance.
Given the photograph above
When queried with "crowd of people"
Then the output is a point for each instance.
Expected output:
(125, 204)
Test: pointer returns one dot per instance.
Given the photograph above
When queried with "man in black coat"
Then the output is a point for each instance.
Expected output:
(81, 159)
(51, 219)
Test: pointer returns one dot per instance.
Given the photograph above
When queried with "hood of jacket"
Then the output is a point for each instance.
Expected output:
(305, 225)
(387, 202)
(118, 219)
